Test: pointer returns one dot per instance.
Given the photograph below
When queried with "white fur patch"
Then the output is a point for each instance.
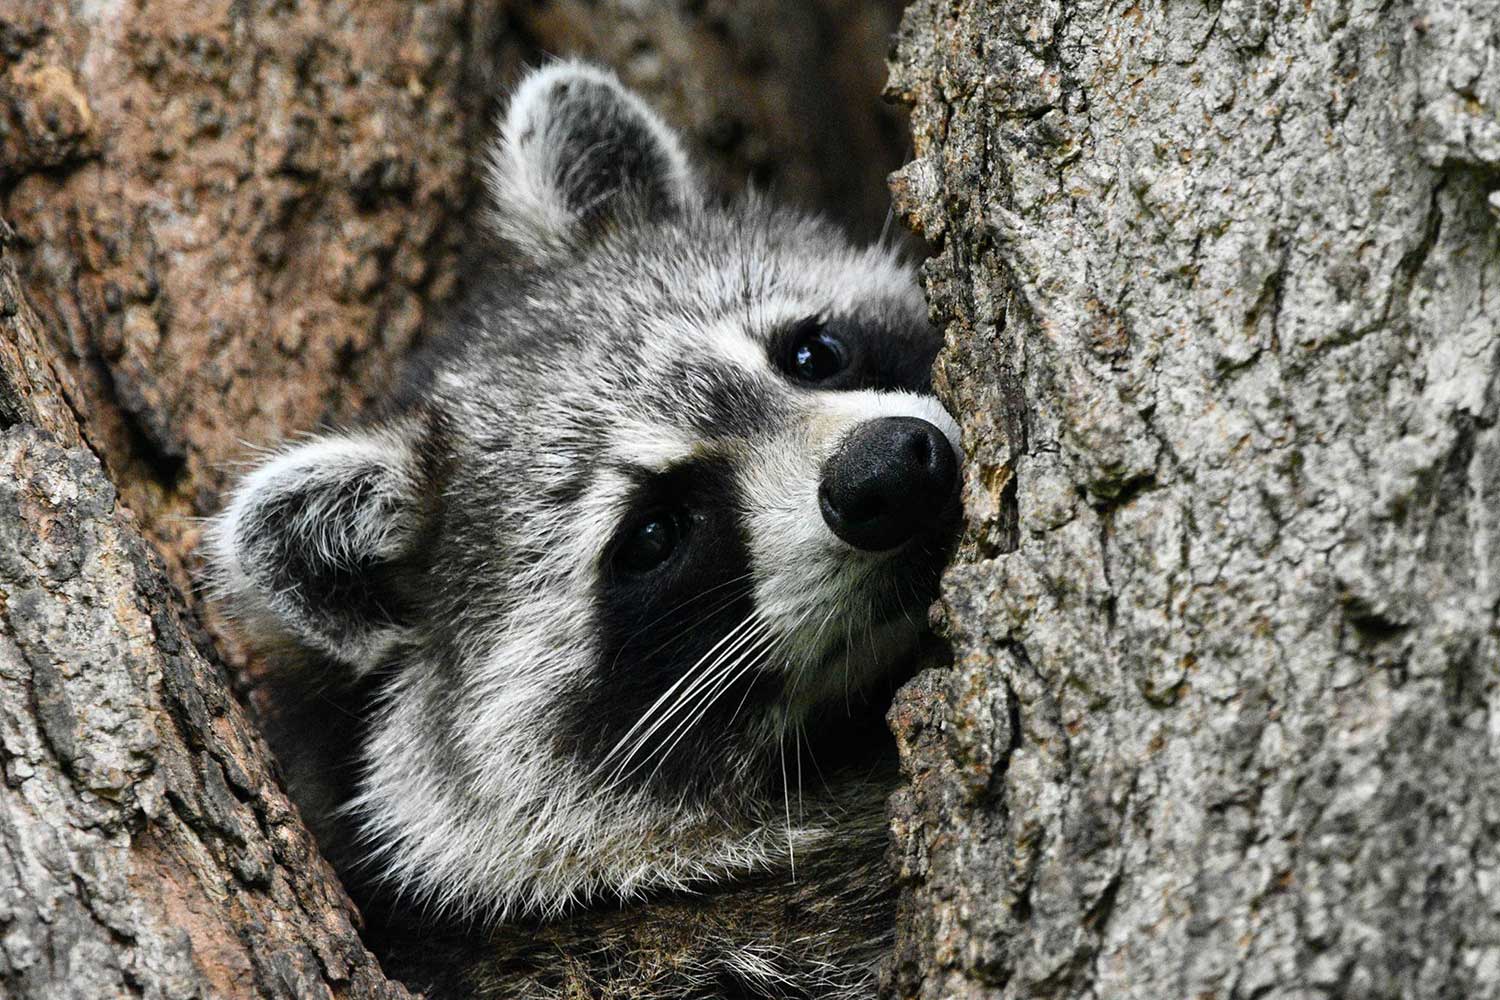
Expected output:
(804, 572)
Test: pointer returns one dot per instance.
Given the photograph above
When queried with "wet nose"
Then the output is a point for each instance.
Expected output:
(889, 478)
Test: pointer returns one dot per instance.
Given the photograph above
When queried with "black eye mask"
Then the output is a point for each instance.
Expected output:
(848, 353)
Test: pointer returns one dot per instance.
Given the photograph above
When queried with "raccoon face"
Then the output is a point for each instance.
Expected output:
(673, 490)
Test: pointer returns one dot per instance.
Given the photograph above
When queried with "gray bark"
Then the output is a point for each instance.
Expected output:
(1220, 289)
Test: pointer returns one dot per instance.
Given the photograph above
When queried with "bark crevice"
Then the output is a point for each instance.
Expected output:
(1238, 260)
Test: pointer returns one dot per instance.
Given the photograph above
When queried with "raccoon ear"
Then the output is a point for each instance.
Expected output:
(307, 549)
(579, 153)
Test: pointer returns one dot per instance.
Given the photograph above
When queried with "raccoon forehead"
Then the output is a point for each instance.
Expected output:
(791, 285)
(741, 261)
(651, 385)
(706, 409)
(750, 286)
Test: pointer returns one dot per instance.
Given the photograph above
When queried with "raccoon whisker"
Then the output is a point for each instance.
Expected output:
(817, 640)
(689, 626)
(723, 682)
(901, 603)
(843, 614)
(680, 730)
(678, 633)
(773, 652)
(798, 674)
(885, 228)
(697, 698)
(700, 711)
(716, 672)
(818, 770)
(666, 697)
(791, 850)
(700, 595)
(727, 677)
(797, 733)
(744, 664)
(786, 802)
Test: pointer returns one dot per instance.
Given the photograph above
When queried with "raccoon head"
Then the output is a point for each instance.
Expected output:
(672, 490)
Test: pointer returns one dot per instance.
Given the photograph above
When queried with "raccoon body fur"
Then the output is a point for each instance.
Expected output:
(582, 640)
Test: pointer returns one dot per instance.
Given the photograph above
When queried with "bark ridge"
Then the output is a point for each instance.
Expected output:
(1219, 288)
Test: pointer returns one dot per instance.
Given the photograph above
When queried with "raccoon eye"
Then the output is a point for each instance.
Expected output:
(814, 354)
(650, 543)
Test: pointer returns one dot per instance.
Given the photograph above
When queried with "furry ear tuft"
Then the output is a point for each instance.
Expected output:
(306, 547)
(579, 153)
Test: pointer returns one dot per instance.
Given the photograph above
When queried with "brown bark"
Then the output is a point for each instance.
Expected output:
(230, 223)
(233, 220)
(146, 847)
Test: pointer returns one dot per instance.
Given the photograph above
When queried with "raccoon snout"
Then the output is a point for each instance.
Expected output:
(888, 479)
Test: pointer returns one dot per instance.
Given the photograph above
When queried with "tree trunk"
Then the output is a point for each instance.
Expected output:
(1219, 283)
(230, 221)
(145, 844)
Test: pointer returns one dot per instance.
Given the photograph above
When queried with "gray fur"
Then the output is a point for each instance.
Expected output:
(527, 752)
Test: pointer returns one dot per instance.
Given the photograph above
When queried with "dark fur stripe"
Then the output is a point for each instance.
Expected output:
(657, 627)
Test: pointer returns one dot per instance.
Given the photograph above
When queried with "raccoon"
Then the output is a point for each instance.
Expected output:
(583, 640)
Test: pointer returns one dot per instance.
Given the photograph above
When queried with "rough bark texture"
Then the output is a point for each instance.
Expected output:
(146, 848)
(1220, 286)
(231, 221)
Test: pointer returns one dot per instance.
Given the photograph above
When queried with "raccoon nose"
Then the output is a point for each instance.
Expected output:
(888, 479)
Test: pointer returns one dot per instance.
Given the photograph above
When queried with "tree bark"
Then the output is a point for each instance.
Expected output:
(1219, 284)
(146, 848)
(230, 222)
